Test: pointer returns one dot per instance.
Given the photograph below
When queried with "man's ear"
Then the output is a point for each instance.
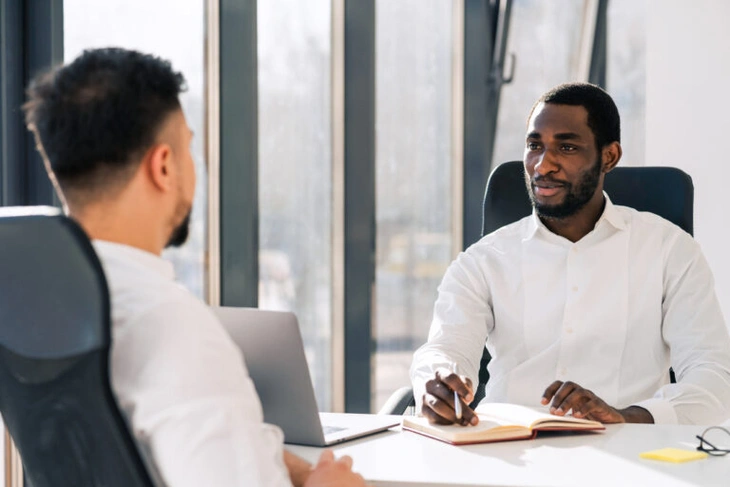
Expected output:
(610, 155)
(158, 163)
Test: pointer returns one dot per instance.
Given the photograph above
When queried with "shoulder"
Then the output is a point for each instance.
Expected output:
(644, 224)
(503, 239)
(677, 249)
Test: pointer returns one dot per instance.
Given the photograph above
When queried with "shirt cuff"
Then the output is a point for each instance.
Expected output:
(660, 409)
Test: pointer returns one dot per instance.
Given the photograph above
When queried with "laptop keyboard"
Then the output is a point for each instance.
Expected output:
(328, 430)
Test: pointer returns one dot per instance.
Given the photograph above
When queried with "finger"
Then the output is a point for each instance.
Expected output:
(442, 392)
(442, 403)
(346, 460)
(432, 416)
(456, 383)
(564, 391)
(550, 391)
(573, 401)
(468, 416)
(326, 457)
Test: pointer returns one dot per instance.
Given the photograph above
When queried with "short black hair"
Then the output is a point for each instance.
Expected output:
(95, 116)
(603, 117)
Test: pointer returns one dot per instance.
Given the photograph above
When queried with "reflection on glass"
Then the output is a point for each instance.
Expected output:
(546, 43)
(626, 74)
(295, 173)
(135, 24)
(413, 179)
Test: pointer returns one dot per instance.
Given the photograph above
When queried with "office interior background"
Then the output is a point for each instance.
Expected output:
(342, 146)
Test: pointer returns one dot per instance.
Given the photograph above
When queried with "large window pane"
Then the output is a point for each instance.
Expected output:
(413, 177)
(295, 173)
(626, 74)
(174, 30)
(545, 38)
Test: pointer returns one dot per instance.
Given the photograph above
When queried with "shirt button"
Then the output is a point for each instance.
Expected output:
(563, 371)
(575, 288)
(568, 330)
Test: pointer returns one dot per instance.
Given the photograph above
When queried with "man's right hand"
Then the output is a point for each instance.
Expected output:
(438, 400)
(331, 472)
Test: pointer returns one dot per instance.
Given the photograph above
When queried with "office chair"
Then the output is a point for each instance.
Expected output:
(55, 396)
(664, 191)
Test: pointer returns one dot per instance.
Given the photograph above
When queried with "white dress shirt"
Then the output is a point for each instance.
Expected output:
(182, 383)
(610, 312)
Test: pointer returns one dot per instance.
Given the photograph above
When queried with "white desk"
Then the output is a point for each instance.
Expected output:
(610, 458)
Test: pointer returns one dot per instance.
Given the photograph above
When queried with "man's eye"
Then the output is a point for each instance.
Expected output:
(568, 148)
(533, 145)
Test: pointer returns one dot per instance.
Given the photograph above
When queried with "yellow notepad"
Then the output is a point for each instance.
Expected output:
(674, 455)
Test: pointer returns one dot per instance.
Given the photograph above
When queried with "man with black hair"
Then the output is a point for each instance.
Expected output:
(116, 144)
(583, 305)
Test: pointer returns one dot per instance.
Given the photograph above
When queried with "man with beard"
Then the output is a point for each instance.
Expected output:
(583, 305)
(116, 144)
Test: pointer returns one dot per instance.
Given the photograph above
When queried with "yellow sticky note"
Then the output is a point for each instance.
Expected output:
(674, 455)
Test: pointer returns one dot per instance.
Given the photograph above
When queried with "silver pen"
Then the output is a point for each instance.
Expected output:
(457, 400)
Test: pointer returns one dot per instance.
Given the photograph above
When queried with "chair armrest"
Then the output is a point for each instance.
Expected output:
(398, 402)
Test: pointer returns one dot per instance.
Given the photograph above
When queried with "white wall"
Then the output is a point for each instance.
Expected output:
(687, 114)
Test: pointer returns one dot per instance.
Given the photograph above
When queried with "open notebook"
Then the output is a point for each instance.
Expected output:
(499, 422)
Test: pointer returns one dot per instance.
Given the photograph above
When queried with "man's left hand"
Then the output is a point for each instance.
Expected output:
(567, 396)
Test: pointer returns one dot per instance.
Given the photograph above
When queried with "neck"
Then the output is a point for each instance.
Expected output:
(577, 226)
(118, 224)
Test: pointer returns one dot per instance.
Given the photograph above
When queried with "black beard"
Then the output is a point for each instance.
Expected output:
(180, 234)
(576, 198)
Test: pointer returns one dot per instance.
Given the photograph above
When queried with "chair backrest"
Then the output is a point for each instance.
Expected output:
(55, 396)
(664, 191)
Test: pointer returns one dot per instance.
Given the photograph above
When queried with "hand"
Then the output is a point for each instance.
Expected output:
(334, 473)
(568, 396)
(438, 401)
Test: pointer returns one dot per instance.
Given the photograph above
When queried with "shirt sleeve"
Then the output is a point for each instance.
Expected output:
(694, 329)
(186, 393)
(462, 317)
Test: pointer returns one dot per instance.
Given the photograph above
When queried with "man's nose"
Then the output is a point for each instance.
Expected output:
(546, 163)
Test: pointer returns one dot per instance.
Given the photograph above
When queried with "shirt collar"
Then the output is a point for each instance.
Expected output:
(610, 215)
(141, 257)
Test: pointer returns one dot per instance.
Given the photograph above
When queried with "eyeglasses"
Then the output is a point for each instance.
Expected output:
(715, 435)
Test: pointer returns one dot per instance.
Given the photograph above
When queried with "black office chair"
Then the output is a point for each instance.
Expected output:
(665, 191)
(55, 396)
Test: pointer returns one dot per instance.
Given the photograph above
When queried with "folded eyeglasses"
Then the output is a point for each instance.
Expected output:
(715, 440)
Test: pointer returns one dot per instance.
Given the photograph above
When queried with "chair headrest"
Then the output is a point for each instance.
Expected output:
(664, 191)
(54, 301)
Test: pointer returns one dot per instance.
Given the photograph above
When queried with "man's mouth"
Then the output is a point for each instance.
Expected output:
(546, 188)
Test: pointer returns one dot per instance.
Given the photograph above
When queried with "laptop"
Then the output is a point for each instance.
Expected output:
(274, 353)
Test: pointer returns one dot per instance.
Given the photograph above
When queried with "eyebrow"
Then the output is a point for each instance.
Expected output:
(559, 136)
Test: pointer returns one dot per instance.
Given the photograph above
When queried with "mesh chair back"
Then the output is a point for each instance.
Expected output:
(55, 396)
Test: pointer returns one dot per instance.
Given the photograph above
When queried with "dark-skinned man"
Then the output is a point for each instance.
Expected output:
(584, 305)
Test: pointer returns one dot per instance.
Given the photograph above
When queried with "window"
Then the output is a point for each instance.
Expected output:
(295, 174)
(135, 24)
(626, 74)
(413, 180)
(546, 43)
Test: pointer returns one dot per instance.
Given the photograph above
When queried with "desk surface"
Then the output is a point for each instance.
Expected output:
(610, 458)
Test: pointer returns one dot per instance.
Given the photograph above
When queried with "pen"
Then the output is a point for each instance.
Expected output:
(457, 401)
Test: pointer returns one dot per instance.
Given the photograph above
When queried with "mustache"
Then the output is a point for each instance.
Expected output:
(546, 179)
